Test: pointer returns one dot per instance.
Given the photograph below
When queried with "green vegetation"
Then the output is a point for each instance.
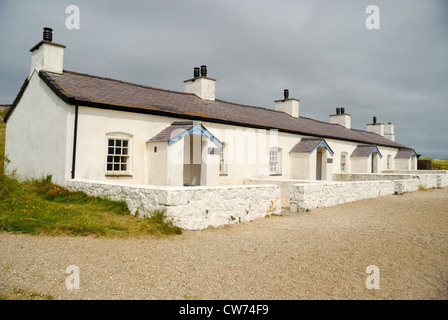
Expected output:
(41, 207)
(438, 164)
(21, 294)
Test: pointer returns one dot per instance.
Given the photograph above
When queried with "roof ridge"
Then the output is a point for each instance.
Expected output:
(125, 82)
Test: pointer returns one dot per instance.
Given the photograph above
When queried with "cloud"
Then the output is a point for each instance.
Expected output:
(320, 50)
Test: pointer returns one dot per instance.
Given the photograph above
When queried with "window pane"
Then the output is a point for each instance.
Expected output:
(123, 167)
(111, 142)
(124, 159)
(109, 166)
(125, 143)
(117, 150)
(118, 143)
(110, 150)
(110, 159)
(116, 167)
(116, 159)
(125, 151)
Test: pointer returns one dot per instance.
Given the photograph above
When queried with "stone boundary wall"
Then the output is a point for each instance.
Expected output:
(416, 171)
(307, 196)
(426, 180)
(191, 208)
(285, 186)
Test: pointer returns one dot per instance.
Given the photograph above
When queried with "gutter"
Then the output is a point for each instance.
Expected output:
(75, 138)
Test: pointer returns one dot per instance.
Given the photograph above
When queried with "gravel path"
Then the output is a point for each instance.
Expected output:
(320, 255)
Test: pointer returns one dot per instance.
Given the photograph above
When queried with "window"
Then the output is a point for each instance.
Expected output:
(118, 154)
(344, 162)
(222, 160)
(274, 161)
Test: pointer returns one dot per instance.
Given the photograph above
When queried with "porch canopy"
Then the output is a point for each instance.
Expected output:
(405, 154)
(365, 151)
(310, 144)
(179, 129)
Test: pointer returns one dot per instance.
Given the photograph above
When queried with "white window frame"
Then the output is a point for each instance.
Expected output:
(223, 169)
(118, 154)
(344, 164)
(389, 162)
(274, 161)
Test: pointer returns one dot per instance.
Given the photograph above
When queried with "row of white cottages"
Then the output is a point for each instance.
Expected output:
(74, 125)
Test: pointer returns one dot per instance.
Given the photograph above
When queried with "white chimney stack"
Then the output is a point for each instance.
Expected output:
(201, 85)
(375, 127)
(341, 118)
(389, 131)
(287, 105)
(47, 55)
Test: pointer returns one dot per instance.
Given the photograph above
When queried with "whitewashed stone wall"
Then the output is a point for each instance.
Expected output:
(306, 196)
(425, 180)
(191, 208)
(442, 181)
(408, 185)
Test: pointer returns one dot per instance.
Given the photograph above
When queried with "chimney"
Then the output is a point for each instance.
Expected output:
(375, 127)
(201, 85)
(389, 131)
(341, 118)
(288, 105)
(47, 55)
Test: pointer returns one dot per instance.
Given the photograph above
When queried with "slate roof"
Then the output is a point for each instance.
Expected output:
(363, 151)
(305, 145)
(405, 154)
(93, 91)
(166, 134)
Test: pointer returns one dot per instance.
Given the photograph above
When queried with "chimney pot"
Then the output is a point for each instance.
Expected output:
(342, 110)
(374, 120)
(286, 94)
(338, 110)
(48, 34)
(203, 71)
(196, 72)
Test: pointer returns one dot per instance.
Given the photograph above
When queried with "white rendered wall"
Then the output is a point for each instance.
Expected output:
(38, 140)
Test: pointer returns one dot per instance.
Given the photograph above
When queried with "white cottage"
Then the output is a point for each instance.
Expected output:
(76, 125)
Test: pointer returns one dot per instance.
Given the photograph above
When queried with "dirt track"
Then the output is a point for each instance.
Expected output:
(320, 255)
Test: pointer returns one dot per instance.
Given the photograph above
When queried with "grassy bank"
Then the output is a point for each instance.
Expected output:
(39, 206)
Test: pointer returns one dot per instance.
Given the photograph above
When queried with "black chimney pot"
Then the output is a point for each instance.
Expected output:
(203, 71)
(286, 94)
(338, 110)
(374, 120)
(196, 72)
(48, 34)
(342, 110)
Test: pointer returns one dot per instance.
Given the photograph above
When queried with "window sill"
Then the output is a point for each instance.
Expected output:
(223, 174)
(118, 175)
(275, 174)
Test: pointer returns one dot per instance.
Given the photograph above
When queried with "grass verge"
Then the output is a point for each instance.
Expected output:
(41, 207)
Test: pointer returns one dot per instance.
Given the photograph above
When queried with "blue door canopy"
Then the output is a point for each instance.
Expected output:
(310, 144)
(177, 130)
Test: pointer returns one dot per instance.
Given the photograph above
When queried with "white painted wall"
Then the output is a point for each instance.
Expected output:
(38, 140)
(41, 114)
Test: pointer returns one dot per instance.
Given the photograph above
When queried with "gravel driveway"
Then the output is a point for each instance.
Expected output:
(320, 255)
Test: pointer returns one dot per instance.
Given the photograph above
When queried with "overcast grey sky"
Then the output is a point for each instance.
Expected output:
(320, 50)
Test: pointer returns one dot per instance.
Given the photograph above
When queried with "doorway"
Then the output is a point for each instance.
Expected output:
(192, 159)
(319, 156)
(374, 164)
